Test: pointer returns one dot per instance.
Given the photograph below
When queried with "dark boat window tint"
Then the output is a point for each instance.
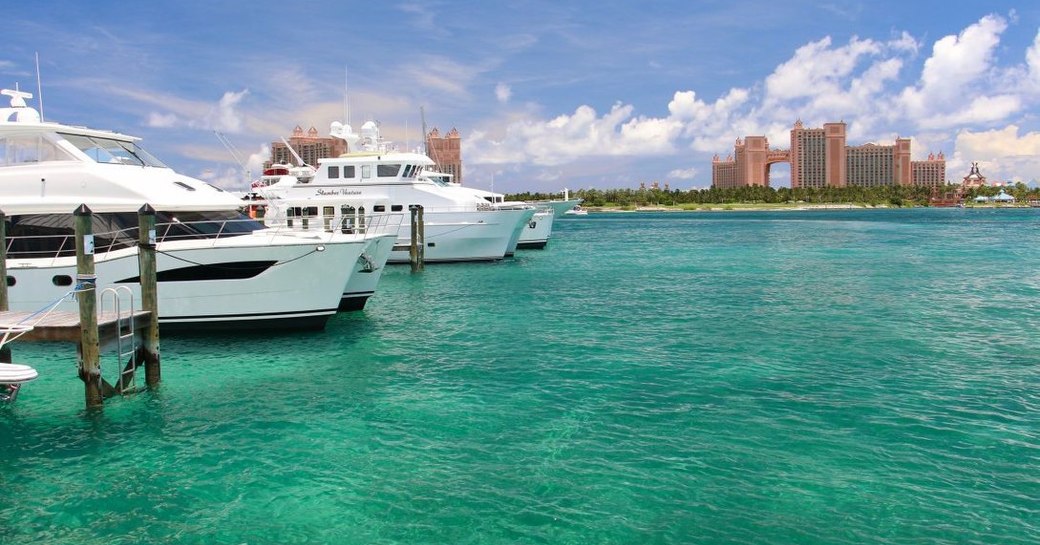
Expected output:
(333, 172)
(379, 208)
(62, 280)
(11, 281)
(348, 171)
(388, 171)
(396, 207)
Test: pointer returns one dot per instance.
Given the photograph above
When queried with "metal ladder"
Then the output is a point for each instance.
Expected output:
(126, 345)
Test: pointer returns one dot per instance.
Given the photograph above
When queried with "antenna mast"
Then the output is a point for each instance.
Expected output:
(234, 153)
(294, 154)
(39, 86)
(422, 115)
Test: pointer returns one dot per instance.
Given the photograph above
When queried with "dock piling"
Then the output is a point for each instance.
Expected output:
(416, 252)
(148, 352)
(86, 284)
(5, 351)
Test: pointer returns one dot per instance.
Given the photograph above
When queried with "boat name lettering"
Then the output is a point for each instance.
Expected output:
(328, 192)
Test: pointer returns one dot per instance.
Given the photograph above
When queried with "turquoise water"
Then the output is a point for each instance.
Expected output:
(742, 377)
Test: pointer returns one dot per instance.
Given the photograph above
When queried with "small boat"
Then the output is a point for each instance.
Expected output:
(577, 211)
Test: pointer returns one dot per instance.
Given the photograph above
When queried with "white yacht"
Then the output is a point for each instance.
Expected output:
(319, 216)
(377, 177)
(535, 234)
(216, 268)
(561, 207)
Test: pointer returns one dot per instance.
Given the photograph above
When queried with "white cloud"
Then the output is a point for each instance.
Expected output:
(1033, 62)
(163, 121)
(683, 173)
(1002, 154)
(225, 117)
(956, 70)
(503, 92)
(584, 133)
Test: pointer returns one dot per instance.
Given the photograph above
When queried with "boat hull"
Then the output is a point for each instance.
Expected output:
(537, 231)
(254, 281)
(368, 269)
(464, 236)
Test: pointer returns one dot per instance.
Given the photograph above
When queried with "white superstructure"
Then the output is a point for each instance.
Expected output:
(382, 180)
(216, 268)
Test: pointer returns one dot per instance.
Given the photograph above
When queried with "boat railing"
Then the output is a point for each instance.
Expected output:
(105, 243)
(357, 224)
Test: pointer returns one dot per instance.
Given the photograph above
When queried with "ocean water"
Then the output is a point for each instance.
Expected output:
(847, 376)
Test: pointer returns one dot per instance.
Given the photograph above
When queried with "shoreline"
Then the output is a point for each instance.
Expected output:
(758, 207)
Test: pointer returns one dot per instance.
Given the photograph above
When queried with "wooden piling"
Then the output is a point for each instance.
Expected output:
(5, 351)
(86, 284)
(422, 238)
(415, 248)
(149, 349)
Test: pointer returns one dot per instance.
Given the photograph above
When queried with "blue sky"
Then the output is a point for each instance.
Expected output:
(546, 94)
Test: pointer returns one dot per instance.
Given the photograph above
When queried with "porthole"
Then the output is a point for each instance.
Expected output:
(62, 280)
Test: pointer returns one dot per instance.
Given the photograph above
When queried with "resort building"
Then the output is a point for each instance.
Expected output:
(311, 147)
(446, 151)
(820, 157)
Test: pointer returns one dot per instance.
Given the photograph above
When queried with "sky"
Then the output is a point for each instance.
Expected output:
(545, 94)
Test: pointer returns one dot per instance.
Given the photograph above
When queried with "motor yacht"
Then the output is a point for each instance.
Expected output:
(376, 176)
(216, 267)
(535, 235)
(322, 215)
(560, 207)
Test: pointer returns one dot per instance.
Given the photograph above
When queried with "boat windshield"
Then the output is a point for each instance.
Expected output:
(26, 148)
(110, 150)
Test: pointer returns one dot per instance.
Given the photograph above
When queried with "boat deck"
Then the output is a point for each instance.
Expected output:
(64, 326)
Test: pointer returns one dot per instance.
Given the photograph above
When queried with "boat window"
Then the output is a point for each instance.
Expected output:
(333, 172)
(17, 149)
(348, 171)
(366, 171)
(347, 219)
(379, 208)
(388, 171)
(110, 150)
(396, 208)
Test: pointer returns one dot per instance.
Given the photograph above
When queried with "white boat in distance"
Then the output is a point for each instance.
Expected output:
(377, 177)
(216, 268)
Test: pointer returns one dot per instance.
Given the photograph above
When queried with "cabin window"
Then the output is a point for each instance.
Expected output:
(347, 219)
(18, 149)
(396, 207)
(333, 172)
(379, 208)
(348, 171)
(62, 280)
(11, 281)
(327, 213)
(366, 171)
(388, 171)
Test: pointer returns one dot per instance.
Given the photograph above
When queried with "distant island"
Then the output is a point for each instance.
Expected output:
(763, 197)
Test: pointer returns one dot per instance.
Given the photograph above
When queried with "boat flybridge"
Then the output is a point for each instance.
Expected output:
(535, 234)
(216, 268)
(381, 180)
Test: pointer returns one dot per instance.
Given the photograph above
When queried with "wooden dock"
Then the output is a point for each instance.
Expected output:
(65, 326)
(91, 327)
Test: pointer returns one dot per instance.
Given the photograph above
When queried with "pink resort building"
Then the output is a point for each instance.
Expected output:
(821, 157)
